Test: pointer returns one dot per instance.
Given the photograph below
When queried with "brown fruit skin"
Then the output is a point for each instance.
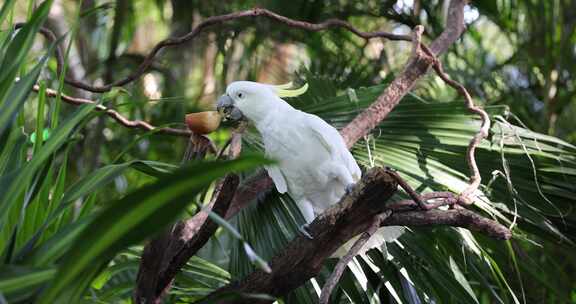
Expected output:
(203, 122)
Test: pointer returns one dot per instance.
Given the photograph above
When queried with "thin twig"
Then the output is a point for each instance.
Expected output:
(440, 198)
(406, 187)
(343, 262)
(365, 122)
(233, 142)
(149, 58)
(303, 259)
(134, 124)
(211, 21)
(475, 177)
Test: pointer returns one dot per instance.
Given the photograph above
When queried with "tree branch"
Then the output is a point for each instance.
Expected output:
(475, 177)
(302, 259)
(343, 262)
(390, 97)
(454, 217)
(307, 258)
(211, 21)
(196, 232)
(149, 58)
(132, 124)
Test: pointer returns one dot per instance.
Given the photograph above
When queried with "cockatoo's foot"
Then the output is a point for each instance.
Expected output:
(304, 232)
(349, 188)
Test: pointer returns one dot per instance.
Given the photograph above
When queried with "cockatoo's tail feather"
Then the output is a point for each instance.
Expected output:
(284, 91)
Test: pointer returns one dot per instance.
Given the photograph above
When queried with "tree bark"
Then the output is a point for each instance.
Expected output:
(303, 257)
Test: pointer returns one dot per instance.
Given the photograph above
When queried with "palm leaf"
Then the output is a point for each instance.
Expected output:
(426, 142)
(131, 219)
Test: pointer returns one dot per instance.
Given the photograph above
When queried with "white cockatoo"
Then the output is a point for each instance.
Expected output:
(314, 166)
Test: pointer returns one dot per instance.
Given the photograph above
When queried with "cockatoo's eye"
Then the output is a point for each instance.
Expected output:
(240, 95)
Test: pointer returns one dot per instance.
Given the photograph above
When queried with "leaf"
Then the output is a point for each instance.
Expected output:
(19, 183)
(17, 51)
(250, 253)
(137, 216)
(53, 248)
(20, 279)
(8, 4)
(106, 174)
(19, 93)
(88, 185)
(461, 278)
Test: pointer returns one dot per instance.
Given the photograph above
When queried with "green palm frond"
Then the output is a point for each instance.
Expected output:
(528, 183)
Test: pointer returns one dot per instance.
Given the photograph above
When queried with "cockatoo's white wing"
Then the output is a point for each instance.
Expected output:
(334, 144)
(278, 178)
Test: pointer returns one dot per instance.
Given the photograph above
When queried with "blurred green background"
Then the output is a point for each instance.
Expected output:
(517, 59)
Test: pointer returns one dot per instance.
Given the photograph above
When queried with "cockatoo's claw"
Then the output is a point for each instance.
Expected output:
(302, 230)
(349, 188)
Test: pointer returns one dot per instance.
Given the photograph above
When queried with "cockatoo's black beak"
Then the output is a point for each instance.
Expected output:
(225, 106)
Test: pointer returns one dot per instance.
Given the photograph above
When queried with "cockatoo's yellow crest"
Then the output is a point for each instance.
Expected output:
(284, 90)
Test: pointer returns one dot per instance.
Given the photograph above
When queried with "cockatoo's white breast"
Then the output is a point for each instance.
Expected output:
(314, 165)
(313, 159)
(298, 152)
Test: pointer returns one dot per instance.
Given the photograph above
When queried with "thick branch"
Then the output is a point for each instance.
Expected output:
(150, 264)
(199, 229)
(389, 98)
(454, 217)
(164, 257)
(303, 258)
(416, 68)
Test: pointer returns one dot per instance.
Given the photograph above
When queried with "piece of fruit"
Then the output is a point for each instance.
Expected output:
(203, 122)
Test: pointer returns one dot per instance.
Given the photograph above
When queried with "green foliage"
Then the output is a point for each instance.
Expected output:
(80, 193)
(528, 181)
(131, 219)
(56, 234)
